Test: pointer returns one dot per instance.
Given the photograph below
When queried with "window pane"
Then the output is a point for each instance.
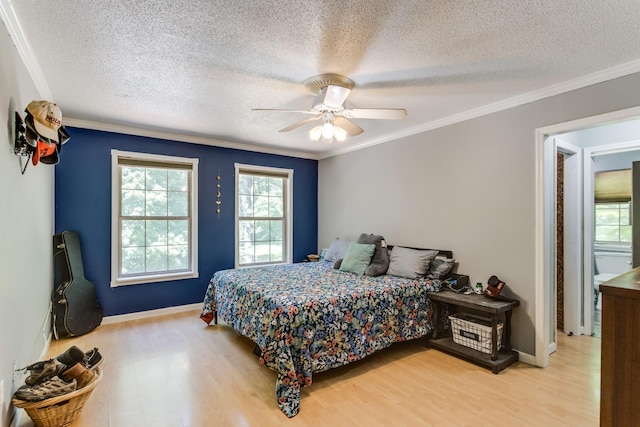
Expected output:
(607, 216)
(276, 231)
(156, 233)
(245, 185)
(157, 258)
(156, 203)
(624, 215)
(246, 253)
(178, 203)
(132, 178)
(606, 233)
(261, 206)
(156, 179)
(262, 231)
(132, 203)
(246, 231)
(178, 232)
(178, 257)
(275, 186)
(132, 233)
(178, 180)
(261, 185)
(275, 206)
(132, 260)
(245, 205)
(277, 254)
(262, 252)
(625, 233)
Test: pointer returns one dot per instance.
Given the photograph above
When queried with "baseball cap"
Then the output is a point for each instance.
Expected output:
(47, 118)
(43, 150)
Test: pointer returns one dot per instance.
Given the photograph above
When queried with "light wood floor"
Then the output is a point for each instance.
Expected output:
(176, 371)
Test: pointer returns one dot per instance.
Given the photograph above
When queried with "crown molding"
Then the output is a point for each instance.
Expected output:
(173, 136)
(536, 95)
(23, 47)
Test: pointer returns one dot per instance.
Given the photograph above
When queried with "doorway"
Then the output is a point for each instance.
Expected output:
(546, 207)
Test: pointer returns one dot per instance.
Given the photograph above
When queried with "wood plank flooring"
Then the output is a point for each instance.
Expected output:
(176, 371)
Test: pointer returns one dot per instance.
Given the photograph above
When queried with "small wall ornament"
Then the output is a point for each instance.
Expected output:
(218, 194)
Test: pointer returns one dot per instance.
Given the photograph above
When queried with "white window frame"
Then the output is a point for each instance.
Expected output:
(612, 242)
(288, 210)
(116, 279)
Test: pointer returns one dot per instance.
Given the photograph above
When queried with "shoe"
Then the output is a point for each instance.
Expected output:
(43, 370)
(72, 356)
(78, 373)
(92, 359)
(45, 390)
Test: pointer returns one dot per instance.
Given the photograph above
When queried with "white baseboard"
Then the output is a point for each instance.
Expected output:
(107, 320)
(526, 358)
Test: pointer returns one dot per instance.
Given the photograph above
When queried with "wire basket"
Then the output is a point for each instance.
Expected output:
(474, 332)
(59, 411)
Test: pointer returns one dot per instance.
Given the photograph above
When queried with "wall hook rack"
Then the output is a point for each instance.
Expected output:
(21, 147)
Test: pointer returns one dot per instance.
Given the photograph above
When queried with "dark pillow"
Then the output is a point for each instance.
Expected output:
(440, 267)
(380, 260)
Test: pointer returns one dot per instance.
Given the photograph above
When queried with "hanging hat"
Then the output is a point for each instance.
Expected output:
(43, 149)
(53, 158)
(47, 118)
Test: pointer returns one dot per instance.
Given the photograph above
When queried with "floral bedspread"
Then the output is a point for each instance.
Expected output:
(308, 317)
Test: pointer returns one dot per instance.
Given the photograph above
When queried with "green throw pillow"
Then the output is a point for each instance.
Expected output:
(357, 258)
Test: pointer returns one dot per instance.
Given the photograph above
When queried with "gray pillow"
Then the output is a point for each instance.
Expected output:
(337, 250)
(380, 260)
(410, 263)
(440, 267)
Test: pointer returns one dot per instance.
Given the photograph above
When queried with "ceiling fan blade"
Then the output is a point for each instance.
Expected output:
(334, 96)
(376, 113)
(300, 123)
(285, 111)
(351, 128)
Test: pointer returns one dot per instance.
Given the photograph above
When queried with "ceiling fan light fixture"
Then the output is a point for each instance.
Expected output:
(340, 134)
(327, 140)
(315, 133)
(328, 131)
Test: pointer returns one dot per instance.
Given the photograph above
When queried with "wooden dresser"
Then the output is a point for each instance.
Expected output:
(620, 355)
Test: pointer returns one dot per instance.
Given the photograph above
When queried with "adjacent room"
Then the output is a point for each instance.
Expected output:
(329, 186)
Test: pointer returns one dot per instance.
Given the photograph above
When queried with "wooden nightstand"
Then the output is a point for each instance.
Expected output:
(451, 302)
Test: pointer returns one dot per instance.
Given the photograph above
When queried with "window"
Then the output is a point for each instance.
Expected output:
(154, 218)
(263, 206)
(613, 223)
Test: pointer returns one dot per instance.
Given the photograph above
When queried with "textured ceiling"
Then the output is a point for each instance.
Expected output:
(197, 68)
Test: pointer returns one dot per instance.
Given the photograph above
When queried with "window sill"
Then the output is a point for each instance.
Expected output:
(138, 280)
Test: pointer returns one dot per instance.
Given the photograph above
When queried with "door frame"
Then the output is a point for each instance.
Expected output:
(573, 254)
(545, 222)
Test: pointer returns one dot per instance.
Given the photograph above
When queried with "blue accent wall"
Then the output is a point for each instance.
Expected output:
(83, 204)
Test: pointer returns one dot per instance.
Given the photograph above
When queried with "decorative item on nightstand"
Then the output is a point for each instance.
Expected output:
(313, 257)
(494, 287)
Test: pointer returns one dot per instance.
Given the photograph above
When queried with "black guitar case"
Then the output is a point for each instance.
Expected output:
(76, 310)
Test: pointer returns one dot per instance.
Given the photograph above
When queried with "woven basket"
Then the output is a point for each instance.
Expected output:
(62, 410)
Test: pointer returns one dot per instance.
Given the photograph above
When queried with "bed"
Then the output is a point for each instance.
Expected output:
(310, 317)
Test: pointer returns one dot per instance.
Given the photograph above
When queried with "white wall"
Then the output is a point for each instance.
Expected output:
(26, 229)
(468, 187)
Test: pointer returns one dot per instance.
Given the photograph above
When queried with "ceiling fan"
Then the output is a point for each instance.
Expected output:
(331, 92)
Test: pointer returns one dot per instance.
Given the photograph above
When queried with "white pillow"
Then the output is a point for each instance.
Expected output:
(337, 250)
